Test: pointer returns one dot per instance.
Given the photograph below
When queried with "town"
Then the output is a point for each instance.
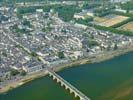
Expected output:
(59, 32)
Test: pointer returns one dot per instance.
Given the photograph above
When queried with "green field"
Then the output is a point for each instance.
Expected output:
(127, 27)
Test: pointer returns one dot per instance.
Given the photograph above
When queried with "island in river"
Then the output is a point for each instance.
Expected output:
(108, 80)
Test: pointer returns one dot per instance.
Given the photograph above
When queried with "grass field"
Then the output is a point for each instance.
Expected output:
(110, 20)
(100, 19)
(127, 27)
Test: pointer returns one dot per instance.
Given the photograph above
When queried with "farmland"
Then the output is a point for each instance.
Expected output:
(127, 27)
(109, 20)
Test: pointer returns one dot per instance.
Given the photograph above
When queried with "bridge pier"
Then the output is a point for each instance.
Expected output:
(70, 91)
(66, 87)
(58, 81)
(81, 98)
(50, 75)
(54, 77)
(62, 84)
(75, 95)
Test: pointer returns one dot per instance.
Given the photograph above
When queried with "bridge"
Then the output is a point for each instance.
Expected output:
(67, 85)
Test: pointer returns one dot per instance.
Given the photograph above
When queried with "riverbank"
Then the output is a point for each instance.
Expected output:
(100, 57)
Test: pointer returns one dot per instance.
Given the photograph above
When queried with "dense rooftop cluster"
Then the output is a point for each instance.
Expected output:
(57, 42)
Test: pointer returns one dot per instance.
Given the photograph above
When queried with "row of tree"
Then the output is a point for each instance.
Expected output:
(113, 30)
(122, 23)
(84, 21)
(127, 6)
(103, 11)
(65, 12)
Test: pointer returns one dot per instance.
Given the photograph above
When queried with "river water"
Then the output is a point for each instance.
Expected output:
(108, 80)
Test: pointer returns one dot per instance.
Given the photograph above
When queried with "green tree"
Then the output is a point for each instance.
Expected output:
(14, 72)
(34, 54)
(26, 23)
(61, 55)
(23, 73)
(115, 47)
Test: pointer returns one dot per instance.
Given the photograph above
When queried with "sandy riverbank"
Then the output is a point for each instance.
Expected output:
(100, 57)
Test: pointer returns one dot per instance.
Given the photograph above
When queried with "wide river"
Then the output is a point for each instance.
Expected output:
(108, 80)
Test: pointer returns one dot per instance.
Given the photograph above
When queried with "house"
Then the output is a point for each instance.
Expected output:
(80, 26)
(39, 10)
(79, 16)
(5, 73)
(121, 10)
(33, 66)
(33, 69)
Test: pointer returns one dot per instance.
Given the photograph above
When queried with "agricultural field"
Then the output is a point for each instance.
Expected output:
(100, 19)
(127, 27)
(109, 20)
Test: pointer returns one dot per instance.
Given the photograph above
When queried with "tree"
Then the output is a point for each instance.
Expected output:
(92, 43)
(0, 80)
(61, 55)
(27, 23)
(47, 29)
(4, 54)
(127, 6)
(115, 47)
(23, 73)
(14, 72)
(34, 54)
(85, 21)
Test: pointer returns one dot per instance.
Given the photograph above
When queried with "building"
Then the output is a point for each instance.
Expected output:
(4, 73)
(33, 66)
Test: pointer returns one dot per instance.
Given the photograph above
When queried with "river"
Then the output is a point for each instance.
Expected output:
(108, 80)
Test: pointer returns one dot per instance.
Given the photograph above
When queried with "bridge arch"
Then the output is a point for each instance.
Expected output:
(72, 92)
(68, 89)
(55, 79)
(78, 98)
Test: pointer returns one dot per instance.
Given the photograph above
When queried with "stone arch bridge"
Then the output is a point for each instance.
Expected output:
(67, 85)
